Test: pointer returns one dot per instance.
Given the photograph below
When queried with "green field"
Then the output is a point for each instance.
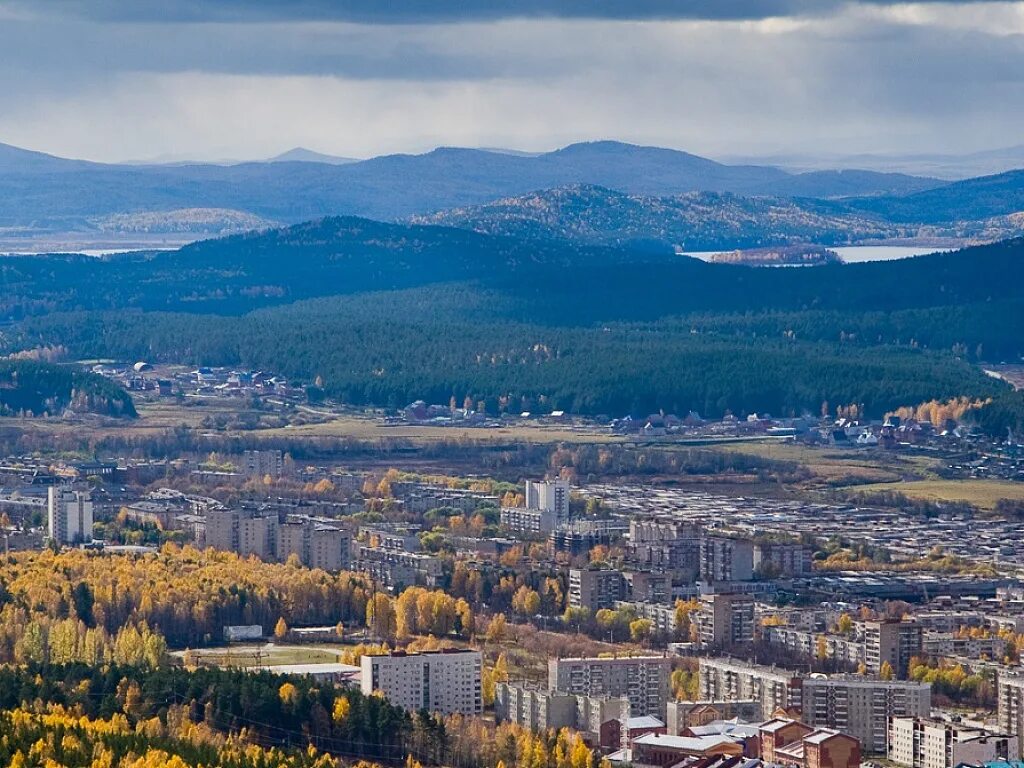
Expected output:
(981, 493)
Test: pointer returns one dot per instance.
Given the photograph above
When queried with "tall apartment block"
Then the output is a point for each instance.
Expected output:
(863, 706)
(725, 619)
(69, 514)
(446, 681)
(723, 558)
(262, 463)
(246, 532)
(644, 680)
(1010, 701)
(551, 496)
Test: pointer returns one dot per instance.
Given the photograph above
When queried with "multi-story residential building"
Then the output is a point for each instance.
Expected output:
(69, 514)
(539, 709)
(725, 619)
(862, 706)
(446, 681)
(647, 587)
(546, 508)
(895, 642)
(724, 558)
(595, 588)
(949, 644)
(723, 679)
(528, 520)
(245, 531)
(262, 463)
(665, 544)
(930, 743)
(644, 680)
(1010, 702)
(535, 708)
(550, 495)
(395, 568)
(395, 536)
(872, 643)
(661, 615)
(317, 544)
(782, 559)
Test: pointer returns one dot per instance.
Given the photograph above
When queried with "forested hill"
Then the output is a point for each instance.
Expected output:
(695, 221)
(348, 255)
(34, 388)
(389, 313)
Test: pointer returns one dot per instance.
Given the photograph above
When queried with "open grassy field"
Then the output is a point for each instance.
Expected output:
(834, 467)
(981, 493)
(267, 654)
(367, 428)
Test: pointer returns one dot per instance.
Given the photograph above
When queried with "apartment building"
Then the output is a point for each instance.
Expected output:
(261, 463)
(665, 544)
(872, 643)
(723, 679)
(725, 619)
(395, 568)
(782, 559)
(895, 642)
(546, 508)
(1010, 702)
(446, 681)
(862, 706)
(539, 709)
(724, 559)
(316, 543)
(595, 588)
(245, 531)
(550, 495)
(644, 680)
(69, 514)
(918, 742)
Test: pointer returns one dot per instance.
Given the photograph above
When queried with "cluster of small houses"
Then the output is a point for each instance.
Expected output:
(204, 380)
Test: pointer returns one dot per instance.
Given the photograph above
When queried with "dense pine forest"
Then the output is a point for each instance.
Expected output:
(37, 389)
(385, 314)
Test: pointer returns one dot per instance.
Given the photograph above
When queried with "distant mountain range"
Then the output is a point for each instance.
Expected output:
(303, 155)
(597, 192)
(45, 191)
(943, 166)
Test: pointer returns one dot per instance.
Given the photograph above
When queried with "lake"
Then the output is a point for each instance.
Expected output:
(854, 254)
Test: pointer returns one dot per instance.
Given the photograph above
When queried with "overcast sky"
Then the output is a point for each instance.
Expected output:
(110, 80)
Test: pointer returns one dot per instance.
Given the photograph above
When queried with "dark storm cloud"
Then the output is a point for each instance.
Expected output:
(436, 11)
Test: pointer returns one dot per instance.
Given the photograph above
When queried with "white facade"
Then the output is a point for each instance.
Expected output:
(445, 681)
(550, 496)
(69, 514)
(926, 743)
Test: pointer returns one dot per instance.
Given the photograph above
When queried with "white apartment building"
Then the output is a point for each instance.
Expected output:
(929, 743)
(1010, 698)
(69, 514)
(446, 681)
(551, 496)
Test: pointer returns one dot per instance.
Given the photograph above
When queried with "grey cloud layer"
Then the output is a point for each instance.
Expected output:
(865, 77)
(434, 11)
